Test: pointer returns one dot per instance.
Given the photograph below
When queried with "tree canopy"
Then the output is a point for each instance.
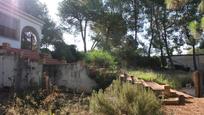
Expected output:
(139, 27)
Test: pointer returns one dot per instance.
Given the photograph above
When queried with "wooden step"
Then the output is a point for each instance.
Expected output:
(171, 101)
(181, 93)
(154, 86)
(174, 101)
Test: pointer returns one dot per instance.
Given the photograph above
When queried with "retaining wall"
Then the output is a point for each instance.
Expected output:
(22, 74)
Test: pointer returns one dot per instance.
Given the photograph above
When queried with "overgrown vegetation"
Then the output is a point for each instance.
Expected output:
(176, 79)
(38, 102)
(101, 65)
(116, 27)
(128, 99)
(100, 59)
(66, 52)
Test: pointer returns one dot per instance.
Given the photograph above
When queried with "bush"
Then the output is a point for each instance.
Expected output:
(125, 99)
(62, 51)
(100, 59)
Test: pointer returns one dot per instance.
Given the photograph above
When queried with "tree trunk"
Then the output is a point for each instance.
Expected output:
(135, 2)
(193, 46)
(150, 47)
(194, 57)
(94, 45)
(83, 33)
(152, 30)
(167, 50)
(84, 41)
(162, 56)
(165, 39)
(107, 46)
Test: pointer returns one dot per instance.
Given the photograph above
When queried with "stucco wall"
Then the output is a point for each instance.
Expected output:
(13, 43)
(19, 73)
(23, 74)
(24, 20)
(29, 74)
(188, 61)
(8, 67)
(74, 76)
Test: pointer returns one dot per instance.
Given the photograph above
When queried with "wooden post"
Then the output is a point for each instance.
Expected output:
(167, 91)
(133, 80)
(197, 78)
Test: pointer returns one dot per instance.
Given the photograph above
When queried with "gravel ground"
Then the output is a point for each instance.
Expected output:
(194, 106)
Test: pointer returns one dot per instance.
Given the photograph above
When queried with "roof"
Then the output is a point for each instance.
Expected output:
(16, 11)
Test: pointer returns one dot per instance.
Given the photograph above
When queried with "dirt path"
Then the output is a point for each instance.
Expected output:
(194, 106)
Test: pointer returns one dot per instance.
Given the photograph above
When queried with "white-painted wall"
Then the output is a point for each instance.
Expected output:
(13, 43)
(188, 61)
(74, 76)
(24, 20)
(24, 73)
(8, 64)
(18, 72)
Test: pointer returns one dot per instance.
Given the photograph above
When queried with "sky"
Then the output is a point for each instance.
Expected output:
(52, 6)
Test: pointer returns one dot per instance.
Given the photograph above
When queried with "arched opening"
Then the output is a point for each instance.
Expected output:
(29, 38)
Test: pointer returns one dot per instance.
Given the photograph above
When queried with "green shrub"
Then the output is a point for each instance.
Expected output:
(68, 52)
(100, 59)
(125, 99)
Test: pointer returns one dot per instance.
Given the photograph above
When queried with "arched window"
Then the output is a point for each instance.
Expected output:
(29, 38)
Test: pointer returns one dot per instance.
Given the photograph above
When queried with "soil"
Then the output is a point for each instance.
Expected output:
(194, 106)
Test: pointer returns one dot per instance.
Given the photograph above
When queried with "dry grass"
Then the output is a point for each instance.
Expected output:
(176, 79)
(54, 103)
